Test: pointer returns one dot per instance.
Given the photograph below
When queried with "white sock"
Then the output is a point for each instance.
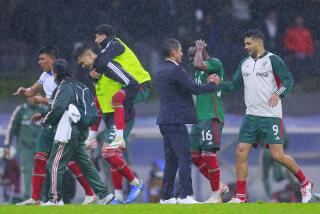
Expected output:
(135, 182)
(119, 133)
(216, 194)
(118, 194)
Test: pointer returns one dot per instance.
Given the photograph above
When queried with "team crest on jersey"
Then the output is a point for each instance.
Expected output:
(264, 63)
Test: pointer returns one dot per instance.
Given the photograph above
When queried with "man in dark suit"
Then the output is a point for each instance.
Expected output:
(175, 88)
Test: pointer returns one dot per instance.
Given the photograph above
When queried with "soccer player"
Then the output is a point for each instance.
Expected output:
(205, 135)
(266, 80)
(26, 131)
(113, 49)
(47, 57)
(111, 87)
(60, 114)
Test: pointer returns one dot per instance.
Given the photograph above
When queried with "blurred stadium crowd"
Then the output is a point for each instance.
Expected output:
(27, 25)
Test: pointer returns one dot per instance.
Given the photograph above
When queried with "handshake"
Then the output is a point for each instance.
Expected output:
(214, 78)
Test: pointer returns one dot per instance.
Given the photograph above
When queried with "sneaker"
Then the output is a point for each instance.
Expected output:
(187, 200)
(115, 201)
(106, 200)
(89, 199)
(135, 192)
(169, 201)
(29, 201)
(117, 143)
(214, 199)
(52, 203)
(224, 188)
(306, 193)
(236, 201)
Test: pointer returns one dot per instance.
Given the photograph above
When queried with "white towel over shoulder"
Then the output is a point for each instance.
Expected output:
(63, 133)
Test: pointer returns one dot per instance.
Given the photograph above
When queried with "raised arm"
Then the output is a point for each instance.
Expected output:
(198, 57)
(29, 92)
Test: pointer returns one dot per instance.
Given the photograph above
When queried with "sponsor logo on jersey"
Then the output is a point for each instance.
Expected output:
(262, 74)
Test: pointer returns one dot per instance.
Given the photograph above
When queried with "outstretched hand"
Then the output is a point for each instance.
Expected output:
(20, 91)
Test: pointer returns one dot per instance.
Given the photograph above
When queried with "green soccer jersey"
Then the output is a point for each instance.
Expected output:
(208, 105)
(21, 126)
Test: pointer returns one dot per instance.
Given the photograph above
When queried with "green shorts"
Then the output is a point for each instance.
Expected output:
(109, 132)
(205, 135)
(268, 130)
(143, 93)
(45, 139)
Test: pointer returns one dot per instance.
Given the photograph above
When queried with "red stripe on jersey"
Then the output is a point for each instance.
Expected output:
(215, 106)
(277, 79)
(216, 136)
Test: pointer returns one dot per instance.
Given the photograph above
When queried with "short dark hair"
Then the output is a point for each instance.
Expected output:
(170, 44)
(80, 51)
(105, 29)
(62, 68)
(50, 50)
(255, 34)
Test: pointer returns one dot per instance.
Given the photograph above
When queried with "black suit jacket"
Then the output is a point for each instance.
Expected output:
(175, 88)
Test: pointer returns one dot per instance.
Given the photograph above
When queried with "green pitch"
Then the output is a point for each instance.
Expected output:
(251, 208)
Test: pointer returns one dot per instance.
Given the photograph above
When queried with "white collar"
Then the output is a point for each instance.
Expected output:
(172, 61)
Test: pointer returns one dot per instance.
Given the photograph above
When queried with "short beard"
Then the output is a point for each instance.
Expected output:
(254, 55)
